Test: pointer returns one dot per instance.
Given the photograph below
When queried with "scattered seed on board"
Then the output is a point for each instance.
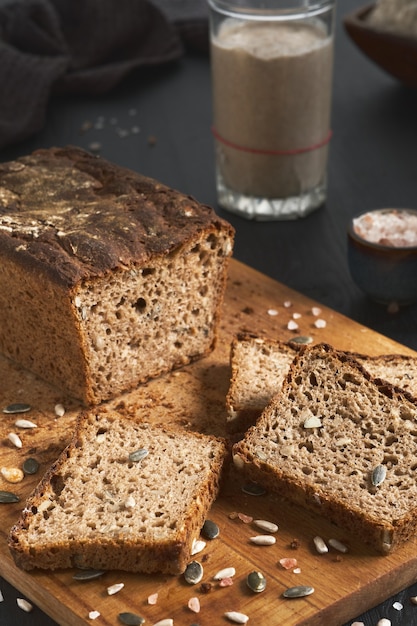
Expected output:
(210, 529)
(17, 407)
(256, 581)
(263, 524)
(378, 475)
(88, 574)
(227, 572)
(320, 545)
(300, 591)
(7, 497)
(263, 540)
(338, 545)
(15, 440)
(165, 622)
(12, 474)
(193, 573)
(25, 424)
(198, 546)
(59, 410)
(24, 605)
(253, 489)
(131, 619)
(138, 455)
(235, 616)
(194, 604)
(302, 339)
(30, 466)
(115, 588)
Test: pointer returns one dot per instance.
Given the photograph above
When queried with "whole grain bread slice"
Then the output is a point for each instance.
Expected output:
(122, 495)
(259, 366)
(320, 440)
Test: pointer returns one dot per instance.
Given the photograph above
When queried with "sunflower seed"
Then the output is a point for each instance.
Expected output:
(253, 489)
(193, 573)
(197, 546)
(165, 622)
(7, 497)
(30, 466)
(227, 572)
(15, 440)
(263, 524)
(378, 475)
(337, 545)
(25, 424)
(263, 540)
(88, 574)
(59, 410)
(235, 616)
(210, 529)
(115, 588)
(17, 407)
(138, 455)
(131, 619)
(320, 545)
(300, 591)
(194, 605)
(256, 581)
(312, 422)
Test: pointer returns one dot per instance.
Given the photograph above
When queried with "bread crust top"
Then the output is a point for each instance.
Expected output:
(76, 216)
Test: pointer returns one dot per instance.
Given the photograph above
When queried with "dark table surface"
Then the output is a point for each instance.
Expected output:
(157, 121)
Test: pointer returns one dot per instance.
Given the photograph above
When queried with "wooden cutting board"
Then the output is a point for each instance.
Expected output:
(345, 584)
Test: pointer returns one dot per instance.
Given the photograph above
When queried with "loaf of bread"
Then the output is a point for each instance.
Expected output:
(122, 495)
(108, 278)
(341, 443)
(259, 366)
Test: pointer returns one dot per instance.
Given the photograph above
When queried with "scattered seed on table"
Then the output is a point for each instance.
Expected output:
(165, 622)
(263, 540)
(15, 440)
(235, 616)
(131, 619)
(227, 572)
(198, 546)
(193, 572)
(24, 605)
(300, 591)
(138, 455)
(17, 407)
(210, 530)
(320, 545)
(115, 588)
(30, 466)
(338, 545)
(59, 410)
(88, 574)
(302, 339)
(194, 604)
(7, 497)
(253, 489)
(25, 424)
(263, 524)
(256, 581)
(378, 475)
(12, 474)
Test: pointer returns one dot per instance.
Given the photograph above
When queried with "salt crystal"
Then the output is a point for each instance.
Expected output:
(194, 605)
(287, 304)
(288, 563)
(1, 597)
(272, 312)
(292, 325)
(59, 410)
(114, 588)
(320, 323)
(93, 615)
(316, 311)
(296, 316)
(398, 606)
(384, 622)
(226, 582)
(392, 227)
(24, 605)
(153, 598)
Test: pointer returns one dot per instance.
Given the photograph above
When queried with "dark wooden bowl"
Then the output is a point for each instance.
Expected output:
(396, 54)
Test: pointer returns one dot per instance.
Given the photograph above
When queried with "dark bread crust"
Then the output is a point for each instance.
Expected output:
(76, 216)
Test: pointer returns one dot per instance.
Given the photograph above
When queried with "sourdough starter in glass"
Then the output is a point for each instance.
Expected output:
(271, 105)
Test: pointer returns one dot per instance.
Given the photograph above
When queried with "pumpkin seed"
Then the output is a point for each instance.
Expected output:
(17, 407)
(193, 573)
(256, 581)
(378, 475)
(210, 529)
(138, 455)
(302, 339)
(253, 489)
(235, 616)
(131, 619)
(300, 591)
(30, 466)
(7, 497)
(88, 574)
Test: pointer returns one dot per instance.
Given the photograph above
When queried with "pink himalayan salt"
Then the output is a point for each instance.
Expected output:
(391, 227)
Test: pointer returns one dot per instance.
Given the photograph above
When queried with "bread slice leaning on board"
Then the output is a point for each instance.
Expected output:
(341, 443)
(259, 366)
(122, 495)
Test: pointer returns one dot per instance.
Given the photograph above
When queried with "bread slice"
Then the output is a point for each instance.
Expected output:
(108, 278)
(259, 366)
(320, 440)
(98, 508)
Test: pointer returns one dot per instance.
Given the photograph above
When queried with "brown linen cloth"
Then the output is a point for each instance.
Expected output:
(84, 46)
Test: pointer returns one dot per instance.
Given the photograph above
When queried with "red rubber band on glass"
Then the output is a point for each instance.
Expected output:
(315, 146)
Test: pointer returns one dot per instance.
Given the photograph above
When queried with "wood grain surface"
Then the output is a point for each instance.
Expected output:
(193, 397)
